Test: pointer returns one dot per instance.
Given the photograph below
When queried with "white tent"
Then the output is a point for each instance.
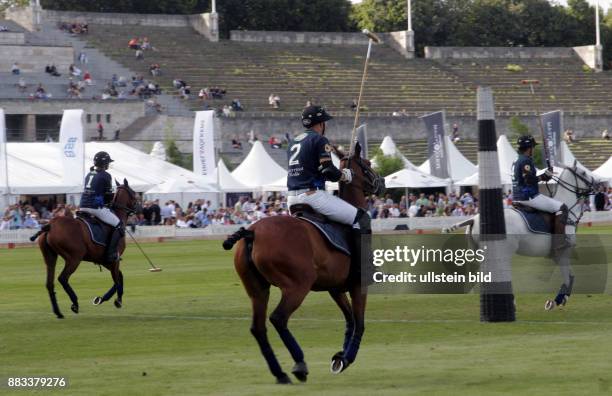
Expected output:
(159, 151)
(281, 183)
(605, 170)
(227, 182)
(258, 168)
(388, 147)
(410, 178)
(36, 168)
(459, 166)
(506, 155)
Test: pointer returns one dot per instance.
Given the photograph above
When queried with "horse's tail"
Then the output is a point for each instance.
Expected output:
(236, 236)
(45, 228)
(455, 227)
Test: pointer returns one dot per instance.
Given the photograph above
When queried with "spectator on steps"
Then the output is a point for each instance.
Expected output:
(52, 70)
(455, 136)
(274, 101)
(236, 144)
(605, 135)
(569, 136)
(236, 105)
(40, 92)
(100, 129)
(87, 78)
(353, 105)
(139, 54)
(21, 85)
(155, 70)
(117, 134)
(202, 95)
(83, 58)
(75, 71)
(134, 43)
(274, 142)
(15, 69)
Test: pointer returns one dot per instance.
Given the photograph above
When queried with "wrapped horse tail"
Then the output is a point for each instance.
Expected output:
(44, 229)
(238, 235)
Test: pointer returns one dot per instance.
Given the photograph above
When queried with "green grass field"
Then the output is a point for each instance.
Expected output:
(187, 328)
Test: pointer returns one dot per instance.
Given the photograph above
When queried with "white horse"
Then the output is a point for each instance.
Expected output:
(572, 186)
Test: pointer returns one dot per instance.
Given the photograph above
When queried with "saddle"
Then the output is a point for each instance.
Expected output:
(537, 221)
(99, 232)
(338, 235)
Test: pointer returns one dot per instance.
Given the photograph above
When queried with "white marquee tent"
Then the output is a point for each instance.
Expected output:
(459, 167)
(388, 147)
(36, 168)
(506, 156)
(258, 169)
(605, 170)
(411, 178)
(227, 182)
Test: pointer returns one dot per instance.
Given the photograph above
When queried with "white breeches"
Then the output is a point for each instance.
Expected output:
(104, 214)
(329, 205)
(543, 203)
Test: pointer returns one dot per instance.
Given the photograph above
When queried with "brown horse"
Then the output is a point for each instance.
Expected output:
(69, 238)
(292, 255)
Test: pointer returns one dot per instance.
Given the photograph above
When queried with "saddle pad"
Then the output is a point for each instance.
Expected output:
(336, 234)
(535, 221)
(97, 232)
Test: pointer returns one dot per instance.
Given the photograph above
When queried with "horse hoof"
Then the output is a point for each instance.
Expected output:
(549, 305)
(338, 363)
(59, 316)
(97, 300)
(300, 370)
(283, 379)
(74, 308)
(118, 304)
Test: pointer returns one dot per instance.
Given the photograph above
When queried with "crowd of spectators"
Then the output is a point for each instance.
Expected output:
(201, 213)
(74, 27)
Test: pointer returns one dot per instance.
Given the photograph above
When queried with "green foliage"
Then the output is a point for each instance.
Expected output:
(173, 155)
(586, 69)
(514, 68)
(387, 164)
(4, 4)
(517, 128)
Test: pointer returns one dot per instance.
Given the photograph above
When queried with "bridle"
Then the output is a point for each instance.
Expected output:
(373, 183)
(580, 193)
(132, 196)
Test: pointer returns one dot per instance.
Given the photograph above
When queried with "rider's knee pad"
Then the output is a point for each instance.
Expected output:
(363, 219)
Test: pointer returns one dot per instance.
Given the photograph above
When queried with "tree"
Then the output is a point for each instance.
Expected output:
(4, 4)
(387, 164)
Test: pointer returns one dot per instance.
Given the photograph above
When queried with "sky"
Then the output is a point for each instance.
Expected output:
(605, 4)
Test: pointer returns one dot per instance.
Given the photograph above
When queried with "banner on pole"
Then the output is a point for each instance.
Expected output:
(436, 150)
(204, 144)
(552, 123)
(362, 138)
(3, 157)
(72, 148)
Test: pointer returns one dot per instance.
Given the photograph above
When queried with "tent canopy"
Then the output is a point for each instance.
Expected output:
(459, 167)
(506, 155)
(388, 147)
(36, 168)
(605, 170)
(227, 182)
(258, 168)
(410, 178)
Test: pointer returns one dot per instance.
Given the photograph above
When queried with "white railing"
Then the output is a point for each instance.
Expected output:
(378, 225)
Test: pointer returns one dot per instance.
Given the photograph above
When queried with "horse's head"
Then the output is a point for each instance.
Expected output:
(365, 179)
(125, 198)
(577, 181)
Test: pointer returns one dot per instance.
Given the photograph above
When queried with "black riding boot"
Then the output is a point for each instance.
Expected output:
(361, 246)
(112, 251)
(559, 239)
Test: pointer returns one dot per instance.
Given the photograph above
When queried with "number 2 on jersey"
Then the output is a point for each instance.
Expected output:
(293, 160)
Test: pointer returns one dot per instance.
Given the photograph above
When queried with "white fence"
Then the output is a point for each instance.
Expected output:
(378, 225)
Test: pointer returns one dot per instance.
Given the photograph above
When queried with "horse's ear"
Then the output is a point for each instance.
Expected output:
(125, 182)
(357, 150)
(117, 183)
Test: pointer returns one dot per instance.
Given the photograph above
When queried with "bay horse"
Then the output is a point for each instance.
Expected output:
(291, 254)
(572, 186)
(69, 238)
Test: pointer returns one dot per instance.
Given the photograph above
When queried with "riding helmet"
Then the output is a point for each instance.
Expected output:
(313, 115)
(526, 141)
(102, 159)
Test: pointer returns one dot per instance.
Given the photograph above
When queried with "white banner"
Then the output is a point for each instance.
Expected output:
(204, 144)
(3, 156)
(72, 148)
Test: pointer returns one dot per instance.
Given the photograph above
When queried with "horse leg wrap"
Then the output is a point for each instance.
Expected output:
(268, 353)
(350, 352)
(348, 334)
(109, 293)
(288, 340)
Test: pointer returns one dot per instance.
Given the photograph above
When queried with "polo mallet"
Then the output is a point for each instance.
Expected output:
(153, 267)
(544, 140)
(373, 39)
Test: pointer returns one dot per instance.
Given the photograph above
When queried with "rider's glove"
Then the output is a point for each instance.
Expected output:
(347, 175)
